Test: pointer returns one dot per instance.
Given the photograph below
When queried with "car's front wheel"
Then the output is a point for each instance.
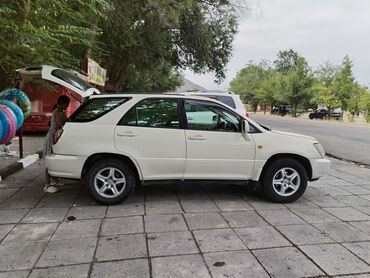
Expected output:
(284, 181)
(310, 117)
(110, 181)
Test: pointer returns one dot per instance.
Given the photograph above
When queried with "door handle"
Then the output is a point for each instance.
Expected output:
(197, 137)
(126, 134)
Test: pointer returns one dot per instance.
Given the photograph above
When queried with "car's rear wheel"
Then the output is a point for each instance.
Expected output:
(284, 181)
(110, 181)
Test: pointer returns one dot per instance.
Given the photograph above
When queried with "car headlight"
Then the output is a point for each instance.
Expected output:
(320, 149)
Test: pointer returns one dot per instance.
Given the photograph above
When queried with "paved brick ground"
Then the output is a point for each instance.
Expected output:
(186, 230)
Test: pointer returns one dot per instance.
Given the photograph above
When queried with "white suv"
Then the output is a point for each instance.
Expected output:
(113, 142)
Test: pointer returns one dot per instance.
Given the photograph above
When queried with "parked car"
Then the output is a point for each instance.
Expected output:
(230, 99)
(44, 85)
(114, 142)
(323, 113)
(282, 110)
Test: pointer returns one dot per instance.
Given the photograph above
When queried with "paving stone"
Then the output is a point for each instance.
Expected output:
(237, 204)
(15, 274)
(281, 217)
(342, 232)
(260, 204)
(8, 216)
(128, 269)
(354, 276)
(164, 223)
(333, 191)
(121, 247)
(301, 203)
(5, 229)
(354, 201)
(38, 215)
(126, 209)
(363, 226)
(179, 267)
(286, 262)
(348, 214)
(77, 229)
(5, 193)
(356, 189)
(24, 233)
(337, 182)
(304, 234)
(361, 249)
(122, 225)
(315, 215)
(69, 251)
(20, 256)
(328, 256)
(199, 205)
(261, 237)
(241, 219)
(57, 200)
(218, 240)
(70, 271)
(326, 201)
(87, 212)
(163, 207)
(236, 264)
(171, 243)
(210, 220)
(25, 198)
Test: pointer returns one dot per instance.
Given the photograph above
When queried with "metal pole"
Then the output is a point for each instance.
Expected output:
(20, 130)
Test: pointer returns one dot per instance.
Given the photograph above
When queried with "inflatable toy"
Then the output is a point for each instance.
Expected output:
(9, 117)
(16, 110)
(22, 99)
(4, 124)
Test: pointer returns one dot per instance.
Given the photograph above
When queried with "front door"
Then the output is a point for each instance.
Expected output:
(151, 133)
(216, 147)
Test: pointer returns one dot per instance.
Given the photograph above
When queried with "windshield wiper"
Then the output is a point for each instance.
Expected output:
(265, 127)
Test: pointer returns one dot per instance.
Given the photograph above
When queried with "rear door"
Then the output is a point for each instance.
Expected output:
(216, 147)
(152, 133)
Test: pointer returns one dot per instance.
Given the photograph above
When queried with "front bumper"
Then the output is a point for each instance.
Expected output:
(65, 166)
(320, 167)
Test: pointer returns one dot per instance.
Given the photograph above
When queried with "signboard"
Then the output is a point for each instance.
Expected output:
(95, 73)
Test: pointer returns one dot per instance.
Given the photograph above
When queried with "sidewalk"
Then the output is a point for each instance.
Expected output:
(31, 144)
(191, 230)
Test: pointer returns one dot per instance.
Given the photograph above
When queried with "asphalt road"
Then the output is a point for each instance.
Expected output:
(346, 141)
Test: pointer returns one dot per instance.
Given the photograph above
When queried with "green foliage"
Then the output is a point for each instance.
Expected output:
(47, 32)
(286, 60)
(141, 36)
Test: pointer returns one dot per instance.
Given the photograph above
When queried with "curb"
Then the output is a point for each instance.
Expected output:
(19, 165)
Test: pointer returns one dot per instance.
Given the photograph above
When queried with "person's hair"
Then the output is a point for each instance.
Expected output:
(63, 100)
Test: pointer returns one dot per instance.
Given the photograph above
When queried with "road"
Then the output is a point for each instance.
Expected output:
(346, 141)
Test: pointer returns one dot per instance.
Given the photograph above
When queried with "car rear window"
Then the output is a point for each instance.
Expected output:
(71, 79)
(95, 108)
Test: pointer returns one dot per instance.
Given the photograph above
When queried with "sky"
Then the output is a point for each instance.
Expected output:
(319, 30)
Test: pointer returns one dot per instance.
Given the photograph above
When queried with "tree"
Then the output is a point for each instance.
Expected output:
(323, 88)
(54, 32)
(286, 60)
(297, 84)
(142, 36)
(247, 83)
(345, 86)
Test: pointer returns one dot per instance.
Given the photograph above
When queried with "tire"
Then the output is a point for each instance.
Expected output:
(289, 189)
(115, 177)
(310, 117)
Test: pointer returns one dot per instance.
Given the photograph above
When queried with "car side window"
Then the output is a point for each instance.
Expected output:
(157, 113)
(205, 116)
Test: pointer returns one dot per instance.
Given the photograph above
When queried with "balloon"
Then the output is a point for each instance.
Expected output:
(22, 99)
(16, 110)
(4, 123)
(12, 126)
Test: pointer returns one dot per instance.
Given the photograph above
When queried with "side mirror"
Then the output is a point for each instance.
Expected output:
(245, 130)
